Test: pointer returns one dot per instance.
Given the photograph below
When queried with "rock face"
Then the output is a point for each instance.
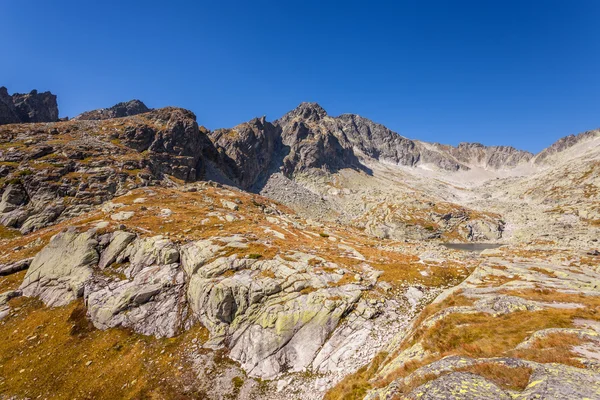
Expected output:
(247, 151)
(308, 139)
(274, 315)
(565, 143)
(367, 139)
(260, 311)
(25, 108)
(120, 110)
(492, 157)
(89, 162)
(151, 303)
(8, 114)
(58, 273)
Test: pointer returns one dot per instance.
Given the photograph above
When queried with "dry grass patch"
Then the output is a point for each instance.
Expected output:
(511, 378)
(56, 353)
(12, 281)
(355, 386)
(482, 335)
(544, 271)
(8, 233)
(498, 280)
(457, 299)
(553, 348)
(591, 309)
(404, 371)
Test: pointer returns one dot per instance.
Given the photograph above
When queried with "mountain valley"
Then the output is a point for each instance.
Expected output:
(143, 255)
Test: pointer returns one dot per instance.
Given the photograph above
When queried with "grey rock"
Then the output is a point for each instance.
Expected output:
(269, 326)
(43, 218)
(13, 196)
(247, 150)
(120, 110)
(195, 254)
(563, 144)
(57, 274)
(7, 269)
(152, 303)
(8, 114)
(491, 157)
(4, 299)
(122, 216)
(144, 252)
(459, 385)
(119, 240)
(14, 218)
(557, 382)
(30, 107)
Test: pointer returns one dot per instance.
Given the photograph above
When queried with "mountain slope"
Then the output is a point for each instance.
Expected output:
(311, 266)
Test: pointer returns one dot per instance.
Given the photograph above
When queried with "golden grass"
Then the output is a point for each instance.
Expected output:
(8, 233)
(355, 386)
(56, 353)
(482, 335)
(553, 348)
(511, 378)
(498, 280)
(544, 271)
(12, 281)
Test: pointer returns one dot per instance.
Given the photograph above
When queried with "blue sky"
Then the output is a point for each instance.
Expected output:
(521, 73)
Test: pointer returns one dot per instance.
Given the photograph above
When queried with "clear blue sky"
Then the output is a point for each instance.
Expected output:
(522, 73)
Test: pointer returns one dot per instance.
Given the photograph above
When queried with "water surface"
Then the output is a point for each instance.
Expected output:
(478, 247)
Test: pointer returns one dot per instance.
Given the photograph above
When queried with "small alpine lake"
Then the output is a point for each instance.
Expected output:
(477, 247)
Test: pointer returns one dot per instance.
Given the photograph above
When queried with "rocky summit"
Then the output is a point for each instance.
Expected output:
(309, 257)
(31, 107)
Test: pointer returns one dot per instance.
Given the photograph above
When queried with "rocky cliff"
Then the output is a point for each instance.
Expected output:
(120, 110)
(487, 157)
(56, 172)
(30, 107)
(565, 143)
(366, 139)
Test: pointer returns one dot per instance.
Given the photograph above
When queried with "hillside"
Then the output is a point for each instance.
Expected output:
(145, 256)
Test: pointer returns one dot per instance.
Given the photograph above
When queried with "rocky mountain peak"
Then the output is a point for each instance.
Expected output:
(120, 110)
(308, 112)
(30, 107)
(283, 257)
(565, 143)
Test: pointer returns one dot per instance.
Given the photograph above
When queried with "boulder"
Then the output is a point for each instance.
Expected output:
(7, 269)
(13, 196)
(460, 386)
(144, 252)
(195, 254)
(273, 316)
(118, 242)
(152, 303)
(57, 274)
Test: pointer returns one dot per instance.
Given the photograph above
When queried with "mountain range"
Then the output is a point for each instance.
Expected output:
(308, 257)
